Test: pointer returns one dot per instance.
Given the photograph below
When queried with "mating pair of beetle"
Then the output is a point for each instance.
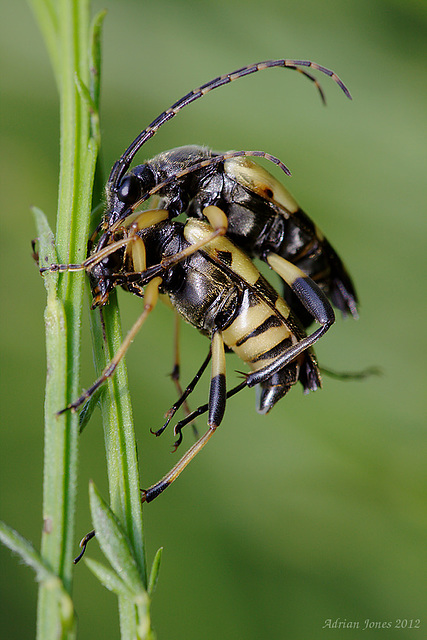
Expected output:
(235, 211)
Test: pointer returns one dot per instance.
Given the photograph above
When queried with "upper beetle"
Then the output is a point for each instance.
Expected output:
(262, 215)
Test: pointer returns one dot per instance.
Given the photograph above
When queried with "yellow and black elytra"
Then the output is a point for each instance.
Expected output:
(215, 287)
(262, 216)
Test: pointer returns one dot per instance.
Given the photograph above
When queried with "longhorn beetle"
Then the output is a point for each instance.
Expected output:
(262, 216)
(210, 281)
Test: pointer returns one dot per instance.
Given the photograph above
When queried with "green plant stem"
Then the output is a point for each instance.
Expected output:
(65, 26)
(122, 464)
(120, 444)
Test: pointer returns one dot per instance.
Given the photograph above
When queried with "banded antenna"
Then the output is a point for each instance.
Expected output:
(123, 164)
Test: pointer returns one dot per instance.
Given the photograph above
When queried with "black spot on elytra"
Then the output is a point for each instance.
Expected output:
(226, 257)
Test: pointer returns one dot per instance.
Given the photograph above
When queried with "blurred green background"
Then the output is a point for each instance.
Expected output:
(317, 511)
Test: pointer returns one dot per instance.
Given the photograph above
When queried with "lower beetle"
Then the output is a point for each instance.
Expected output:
(215, 287)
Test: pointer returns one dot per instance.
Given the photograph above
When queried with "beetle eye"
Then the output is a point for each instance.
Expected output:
(129, 190)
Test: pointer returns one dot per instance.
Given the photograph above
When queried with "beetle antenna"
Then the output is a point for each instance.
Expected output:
(89, 262)
(122, 165)
(83, 544)
(352, 375)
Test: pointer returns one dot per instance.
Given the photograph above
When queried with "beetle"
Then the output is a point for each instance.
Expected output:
(217, 288)
(210, 281)
(262, 216)
(147, 252)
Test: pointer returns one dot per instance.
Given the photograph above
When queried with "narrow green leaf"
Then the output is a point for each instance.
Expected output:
(32, 558)
(109, 578)
(154, 573)
(47, 16)
(46, 237)
(88, 409)
(26, 551)
(46, 248)
(85, 94)
(95, 55)
(114, 583)
(114, 542)
(91, 107)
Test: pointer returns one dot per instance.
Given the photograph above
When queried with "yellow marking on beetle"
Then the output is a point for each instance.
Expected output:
(286, 270)
(145, 219)
(256, 346)
(218, 355)
(138, 254)
(282, 307)
(196, 231)
(217, 218)
(260, 364)
(252, 176)
(248, 319)
(319, 233)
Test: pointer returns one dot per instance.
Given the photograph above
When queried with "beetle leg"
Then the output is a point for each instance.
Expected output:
(351, 375)
(83, 544)
(91, 261)
(176, 355)
(203, 409)
(175, 374)
(143, 219)
(217, 398)
(134, 222)
(182, 398)
(190, 387)
(219, 223)
(150, 299)
(217, 392)
(308, 292)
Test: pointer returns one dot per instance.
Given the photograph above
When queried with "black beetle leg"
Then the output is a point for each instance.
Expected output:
(203, 409)
(190, 387)
(175, 375)
(217, 399)
(308, 292)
